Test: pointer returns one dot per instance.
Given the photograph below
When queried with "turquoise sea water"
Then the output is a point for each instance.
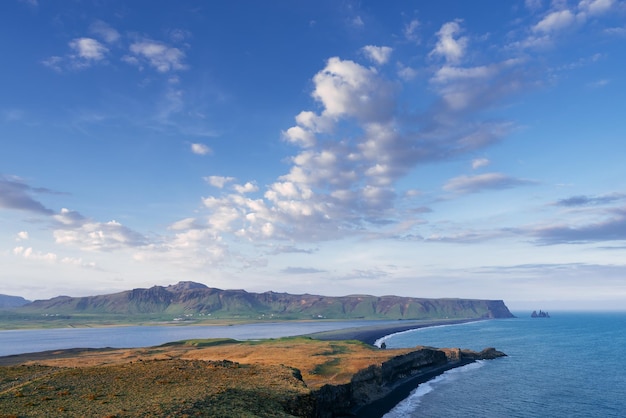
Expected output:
(570, 365)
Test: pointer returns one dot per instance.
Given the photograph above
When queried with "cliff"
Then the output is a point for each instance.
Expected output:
(188, 301)
(375, 390)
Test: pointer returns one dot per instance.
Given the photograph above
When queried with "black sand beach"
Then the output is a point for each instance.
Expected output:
(369, 334)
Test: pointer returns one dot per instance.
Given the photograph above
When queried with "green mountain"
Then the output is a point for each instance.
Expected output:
(189, 300)
(7, 301)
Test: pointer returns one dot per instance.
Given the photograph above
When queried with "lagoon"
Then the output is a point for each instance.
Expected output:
(36, 340)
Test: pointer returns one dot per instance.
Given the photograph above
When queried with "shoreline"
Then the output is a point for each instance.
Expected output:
(398, 390)
(404, 387)
(403, 390)
(369, 334)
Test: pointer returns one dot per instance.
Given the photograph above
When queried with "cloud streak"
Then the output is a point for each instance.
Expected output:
(481, 182)
(15, 194)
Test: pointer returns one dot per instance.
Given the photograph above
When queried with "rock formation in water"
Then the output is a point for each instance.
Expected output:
(541, 314)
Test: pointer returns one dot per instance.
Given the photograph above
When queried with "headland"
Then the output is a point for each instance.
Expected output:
(330, 374)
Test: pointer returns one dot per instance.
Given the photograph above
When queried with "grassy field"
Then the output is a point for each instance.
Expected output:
(220, 377)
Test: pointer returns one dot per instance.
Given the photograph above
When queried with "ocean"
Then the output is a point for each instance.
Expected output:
(569, 365)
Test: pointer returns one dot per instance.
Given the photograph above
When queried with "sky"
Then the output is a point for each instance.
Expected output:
(413, 148)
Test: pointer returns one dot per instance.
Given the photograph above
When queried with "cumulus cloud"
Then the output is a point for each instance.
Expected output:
(200, 149)
(29, 253)
(246, 188)
(347, 89)
(88, 49)
(218, 181)
(188, 249)
(104, 31)
(448, 46)
(84, 52)
(481, 182)
(162, 57)
(378, 54)
(22, 236)
(72, 228)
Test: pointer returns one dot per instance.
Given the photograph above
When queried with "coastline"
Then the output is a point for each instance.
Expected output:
(397, 378)
(402, 388)
(371, 333)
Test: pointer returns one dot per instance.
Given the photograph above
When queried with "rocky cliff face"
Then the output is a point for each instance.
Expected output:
(370, 387)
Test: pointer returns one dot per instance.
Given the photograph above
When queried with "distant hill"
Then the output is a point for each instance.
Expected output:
(7, 301)
(189, 300)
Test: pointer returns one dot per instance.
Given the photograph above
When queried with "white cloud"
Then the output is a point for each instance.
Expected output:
(30, 254)
(76, 230)
(22, 236)
(595, 7)
(195, 247)
(555, 21)
(480, 162)
(410, 30)
(464, 88)
(246, 188)
(200, 149)
(159, 55)
(347, 89)
(299, 136)
(450, 48)
(379, 54)
(480, 182)
(218, 181)
(88, 49)
(104, 31)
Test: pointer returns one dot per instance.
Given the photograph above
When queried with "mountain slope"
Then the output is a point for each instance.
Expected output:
(197, 300)
(7, 301)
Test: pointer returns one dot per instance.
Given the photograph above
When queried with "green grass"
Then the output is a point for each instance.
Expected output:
(209, 342)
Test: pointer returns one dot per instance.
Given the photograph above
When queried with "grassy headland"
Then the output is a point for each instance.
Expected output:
(285, 377)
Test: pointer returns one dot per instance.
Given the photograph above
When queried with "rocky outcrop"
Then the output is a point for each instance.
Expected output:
(541, 314)
(373, 391)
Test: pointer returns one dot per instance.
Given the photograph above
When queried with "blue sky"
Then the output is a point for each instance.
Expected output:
(429, 149)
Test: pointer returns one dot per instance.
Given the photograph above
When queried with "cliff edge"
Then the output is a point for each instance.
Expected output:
(374, 391)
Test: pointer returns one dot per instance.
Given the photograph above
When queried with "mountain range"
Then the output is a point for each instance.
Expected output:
(7, 301)
(190, 300)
